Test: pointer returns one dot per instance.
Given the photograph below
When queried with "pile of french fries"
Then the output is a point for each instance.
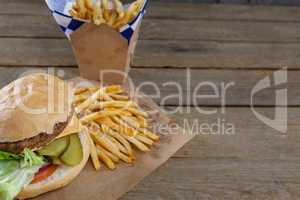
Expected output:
(113, 123)
(101, 11)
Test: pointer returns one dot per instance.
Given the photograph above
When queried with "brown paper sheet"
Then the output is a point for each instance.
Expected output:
(111, 185)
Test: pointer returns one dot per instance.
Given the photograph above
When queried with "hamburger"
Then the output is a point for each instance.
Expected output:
(41, 145)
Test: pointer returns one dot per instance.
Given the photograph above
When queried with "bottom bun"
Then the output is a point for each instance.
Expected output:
(61, 177)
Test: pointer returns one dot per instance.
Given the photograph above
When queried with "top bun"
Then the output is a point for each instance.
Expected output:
(33, 111)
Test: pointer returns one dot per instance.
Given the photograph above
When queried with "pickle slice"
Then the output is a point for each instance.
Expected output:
(56, 161)
(73, 154)
(55, 148)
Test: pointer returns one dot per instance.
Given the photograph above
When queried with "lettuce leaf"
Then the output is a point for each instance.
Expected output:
(31, 159)
(12, 184)
(8, 156)
(16, 174)
(7, 167)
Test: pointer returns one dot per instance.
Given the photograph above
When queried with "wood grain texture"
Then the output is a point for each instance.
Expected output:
(31, 7)
(255, 163)
(220, 179)
(277, 2)
(222, 12)
(234, 1)
(190, 83)
(172, 87)
(206, 54)
(223, 43)
(180, 10)
(220, 30)
(159, 53)
(167, 29)
(36, 52)
(198, 36)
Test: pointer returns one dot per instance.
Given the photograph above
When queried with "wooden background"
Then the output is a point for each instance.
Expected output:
(240, 43)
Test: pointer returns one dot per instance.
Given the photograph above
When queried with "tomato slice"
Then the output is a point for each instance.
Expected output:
(44, 173)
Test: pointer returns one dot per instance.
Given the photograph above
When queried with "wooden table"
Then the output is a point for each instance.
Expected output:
(217, 43)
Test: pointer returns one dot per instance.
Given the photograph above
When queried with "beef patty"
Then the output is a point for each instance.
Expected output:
(37, 141)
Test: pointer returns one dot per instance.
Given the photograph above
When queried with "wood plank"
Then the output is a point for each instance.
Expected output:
(154, 82)
(159, 53)
(277, 2)
(189, 1)
(234, 1)
(166, 29)
(166, 85)
(204, 54)
(253, 140)
(31, 7)
(34, 26)
(217, 179)
(256, 162)
(182, 10)
(36, 52)
(237, 31)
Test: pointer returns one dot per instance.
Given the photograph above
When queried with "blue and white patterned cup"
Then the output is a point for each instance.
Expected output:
(68, 24)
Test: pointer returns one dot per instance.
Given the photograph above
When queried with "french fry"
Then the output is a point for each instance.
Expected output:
(119, 97)
(119, 8)
(144, 140)
(76, 7)
(114, 89)
(131, 121)
(142, 121)
(82, 9)
(106, 159)
(149, 134)
(88, 15)
(105, 143)
(112, 104)
(125, 158)
(115, 126)
(137, 112)
(105, 9)
(100, 92)
(108, 122)
(118, 144)
(129, 14)
(97, 14)
(100, 114)
(112, 19)
(83, 90)
(80, 98)
(90, 100)
(93, 151)
(89, 5)
(110, 146)
(119, 137)
(109, 154)
(137, 143)
(123, 112)
(74, 13)
(124, 127)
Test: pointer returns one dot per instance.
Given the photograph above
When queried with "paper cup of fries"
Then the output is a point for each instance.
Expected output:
(103, 34)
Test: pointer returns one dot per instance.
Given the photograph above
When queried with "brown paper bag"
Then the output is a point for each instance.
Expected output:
(102, 53)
